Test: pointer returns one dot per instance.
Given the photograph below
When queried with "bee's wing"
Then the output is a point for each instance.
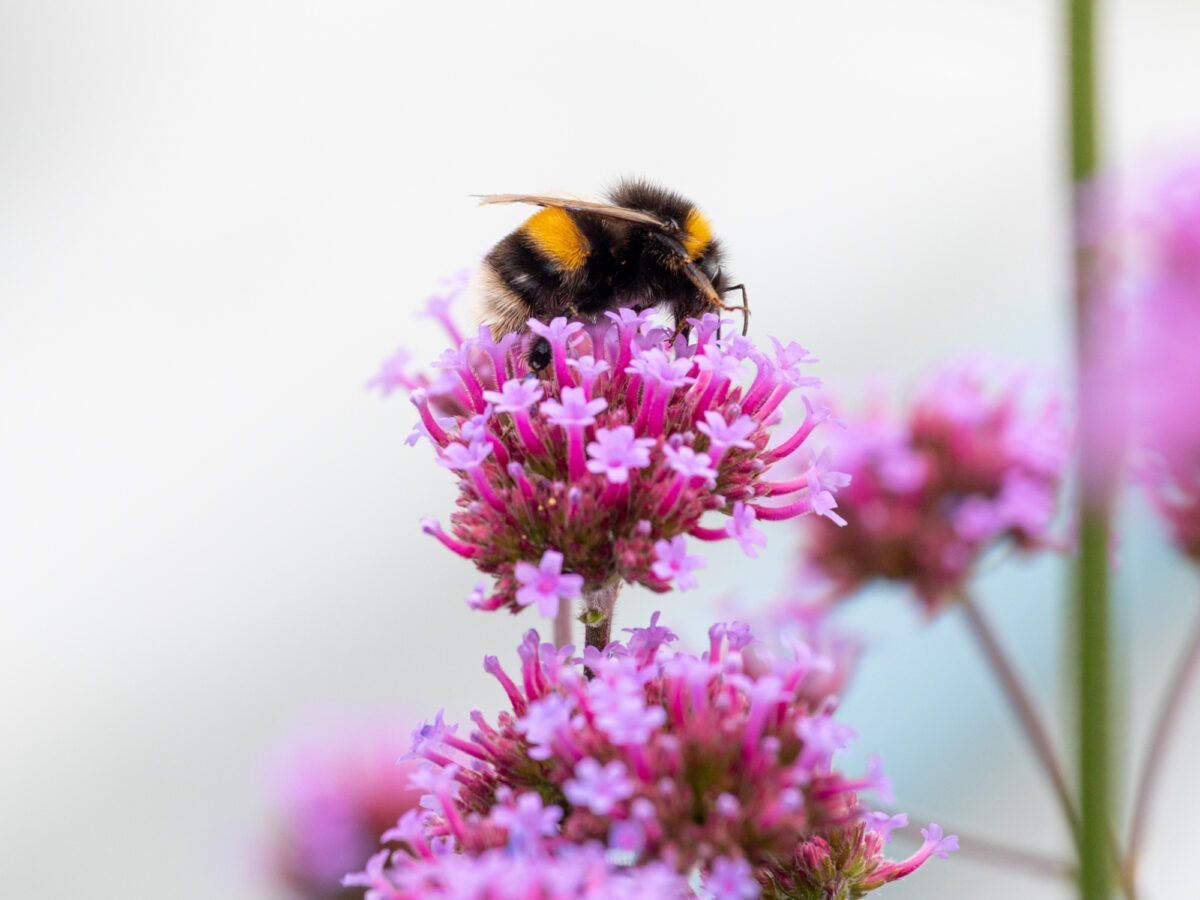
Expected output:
(579, 203)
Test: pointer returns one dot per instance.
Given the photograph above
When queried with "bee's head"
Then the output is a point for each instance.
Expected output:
(677, 253)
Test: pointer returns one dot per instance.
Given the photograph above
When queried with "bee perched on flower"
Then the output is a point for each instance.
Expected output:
(597, 472)
(977, 460)
(664, 764)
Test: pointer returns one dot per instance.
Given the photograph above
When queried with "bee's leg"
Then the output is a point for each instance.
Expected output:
(744, 308)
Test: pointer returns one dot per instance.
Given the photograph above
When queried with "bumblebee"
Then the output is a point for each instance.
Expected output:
(640, 246)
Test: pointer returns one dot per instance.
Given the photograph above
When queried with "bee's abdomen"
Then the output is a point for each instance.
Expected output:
(555, 235)
(528, 273)
(545, 262)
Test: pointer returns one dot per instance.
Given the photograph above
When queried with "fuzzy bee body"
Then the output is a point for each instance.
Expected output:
(641, 246)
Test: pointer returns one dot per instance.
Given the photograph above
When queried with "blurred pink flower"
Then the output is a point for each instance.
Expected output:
(336, 790)
(795, 620)
(978, 459)
(1140, 367)
(1165, 368)
(1167, 410)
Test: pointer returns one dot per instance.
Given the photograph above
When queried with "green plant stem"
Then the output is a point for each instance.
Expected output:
(1091, 607)
(1164, 726)
(1092, 641)
(1081, 33)
(598, 635)
(598, 612)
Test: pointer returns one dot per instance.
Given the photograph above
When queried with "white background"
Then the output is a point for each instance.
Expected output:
(216, 218)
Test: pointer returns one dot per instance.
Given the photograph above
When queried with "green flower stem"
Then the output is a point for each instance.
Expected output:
(1091, 614)
(598, 612)
(1094, 695)
(1164, 726)
(1081, 32)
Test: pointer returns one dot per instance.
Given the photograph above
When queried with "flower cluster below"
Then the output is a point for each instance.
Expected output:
(599, 468)
(979, 458)
(572, 873)
(660, 763)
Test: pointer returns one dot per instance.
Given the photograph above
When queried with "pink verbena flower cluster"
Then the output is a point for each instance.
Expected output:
(721, 765)
(570, 873)
(596, 470)
(978, 459)
(335, 791)
(795, 615)
(1165, 368)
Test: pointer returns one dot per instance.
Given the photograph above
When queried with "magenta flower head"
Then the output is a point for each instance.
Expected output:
(1163, 373)
(545, 585)
(721, 766)
(602, 466)
(336, 790)
(977, 460)
(1166, 409)
(572, 873)
(805, 626)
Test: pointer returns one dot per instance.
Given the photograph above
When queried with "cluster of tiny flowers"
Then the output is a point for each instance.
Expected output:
(1166, 365)
(600, 467)
(717, 767)
(569, 873)
(336, 790)
(978, 459)
(796, 615)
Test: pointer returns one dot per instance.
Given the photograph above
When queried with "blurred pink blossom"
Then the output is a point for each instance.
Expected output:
(337, 788)
(978, 458)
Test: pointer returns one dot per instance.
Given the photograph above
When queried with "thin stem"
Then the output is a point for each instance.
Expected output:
(1003, 855)
(1092, 629)
(1006, 857)
(1022, 706)
(598, 612)
(1081, 33)
(562, 623)
(1164, 727)
(598, 635)
(1094, 698)
(1039, 738)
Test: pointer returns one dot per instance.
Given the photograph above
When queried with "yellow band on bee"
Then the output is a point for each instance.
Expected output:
(557, 236)
(697, 234)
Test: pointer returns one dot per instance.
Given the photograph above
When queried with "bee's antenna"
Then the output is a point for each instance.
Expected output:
(744, 308)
